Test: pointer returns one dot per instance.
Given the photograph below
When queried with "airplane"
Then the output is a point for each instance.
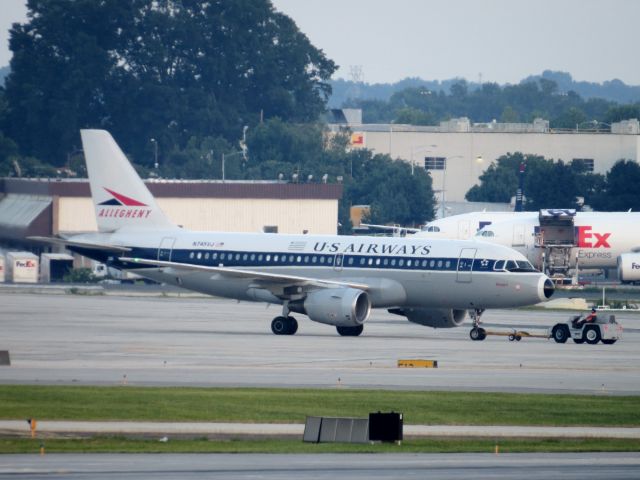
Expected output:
(335, 280)
(554, 240)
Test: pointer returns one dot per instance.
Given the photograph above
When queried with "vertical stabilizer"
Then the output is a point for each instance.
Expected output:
(120, 197)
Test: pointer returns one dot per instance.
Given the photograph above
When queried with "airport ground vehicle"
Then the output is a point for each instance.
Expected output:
(604, 328)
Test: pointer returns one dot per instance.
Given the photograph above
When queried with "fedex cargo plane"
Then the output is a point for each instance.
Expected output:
(554, 240)
(335, 280)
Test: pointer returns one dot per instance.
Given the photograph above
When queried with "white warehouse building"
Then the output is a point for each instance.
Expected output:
(457, 152)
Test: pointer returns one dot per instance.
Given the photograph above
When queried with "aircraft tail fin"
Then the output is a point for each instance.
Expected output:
(120, 197)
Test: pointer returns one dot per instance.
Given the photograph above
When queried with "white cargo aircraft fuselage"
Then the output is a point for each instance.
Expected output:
(332, 279)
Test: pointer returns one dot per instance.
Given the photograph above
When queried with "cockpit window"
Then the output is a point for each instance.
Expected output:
(430, 228)
(485, 233)
(514, 266)
(519, 266)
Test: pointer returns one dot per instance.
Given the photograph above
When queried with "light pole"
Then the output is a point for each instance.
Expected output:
(419, 148)
(444, 182)
(155, 152)
(232, 154)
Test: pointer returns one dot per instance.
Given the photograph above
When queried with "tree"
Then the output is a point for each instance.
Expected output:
(620, 192)
(165, 69)
(547, 184)
(310, 151)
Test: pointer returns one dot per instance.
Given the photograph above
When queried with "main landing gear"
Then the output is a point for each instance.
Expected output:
(284, 325)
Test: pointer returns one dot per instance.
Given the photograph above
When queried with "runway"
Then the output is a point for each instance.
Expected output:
(535, 466)
(109, 340)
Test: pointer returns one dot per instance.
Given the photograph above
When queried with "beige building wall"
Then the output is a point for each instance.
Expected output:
(218, 214)
(462, 150)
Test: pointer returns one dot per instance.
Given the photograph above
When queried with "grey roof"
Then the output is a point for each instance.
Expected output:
(19, 211)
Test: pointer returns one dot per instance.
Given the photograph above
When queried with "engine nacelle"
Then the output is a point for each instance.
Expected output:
(629, 267)
(341, 307)
(433, 317)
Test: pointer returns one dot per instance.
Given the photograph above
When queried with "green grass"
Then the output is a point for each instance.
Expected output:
(253, 405)
(123, 445)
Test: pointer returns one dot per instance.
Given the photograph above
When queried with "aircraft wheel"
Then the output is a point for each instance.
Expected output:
(477, 334)
(292, 326)
(279, 326)
(560, 333)
(591, 335)
(350, 331)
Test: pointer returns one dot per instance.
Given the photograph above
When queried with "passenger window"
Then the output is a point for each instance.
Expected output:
(330, 261)
(268, 258)
(275, 258)
(350, 261)
(408, 263)
(260, 257)
(439, 264)
(253, 256)
(377, 261)
(385, 262)
(424, 263)
(393, 262)
(215, 255)
(362, 260)
(206, 256)
(299, 259)
(306, 259)
(321, 259)
(237, 256)
(244, 257)
(192, 254)
(447, 264)
(314, 259)
(199, 255)
(401, 262)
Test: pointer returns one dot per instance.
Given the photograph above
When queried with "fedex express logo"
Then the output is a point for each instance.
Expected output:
(121, 206)
(25, 264)
(588, 239)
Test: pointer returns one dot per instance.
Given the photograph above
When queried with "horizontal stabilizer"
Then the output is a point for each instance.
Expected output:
(71, 243)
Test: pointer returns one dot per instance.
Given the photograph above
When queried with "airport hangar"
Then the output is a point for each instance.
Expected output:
(45, 207)
(457, 151)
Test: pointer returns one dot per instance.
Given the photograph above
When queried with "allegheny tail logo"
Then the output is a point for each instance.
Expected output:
(120, 206)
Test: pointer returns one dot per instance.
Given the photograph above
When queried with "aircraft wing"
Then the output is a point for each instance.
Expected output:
(391, 227)
(262, 277)
(71, 243)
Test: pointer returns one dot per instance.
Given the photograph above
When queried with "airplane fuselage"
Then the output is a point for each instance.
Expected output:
(408, 272)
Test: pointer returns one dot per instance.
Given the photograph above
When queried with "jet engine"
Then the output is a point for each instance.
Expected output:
(341, 307)
(629, 267)
(432, 317)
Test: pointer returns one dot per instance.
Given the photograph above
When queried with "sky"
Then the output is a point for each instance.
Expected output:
(499, 41)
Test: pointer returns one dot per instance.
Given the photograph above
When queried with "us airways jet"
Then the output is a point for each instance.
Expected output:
(335, 280)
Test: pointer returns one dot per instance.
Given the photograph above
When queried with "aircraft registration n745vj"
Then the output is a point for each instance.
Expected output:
(332, 279)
